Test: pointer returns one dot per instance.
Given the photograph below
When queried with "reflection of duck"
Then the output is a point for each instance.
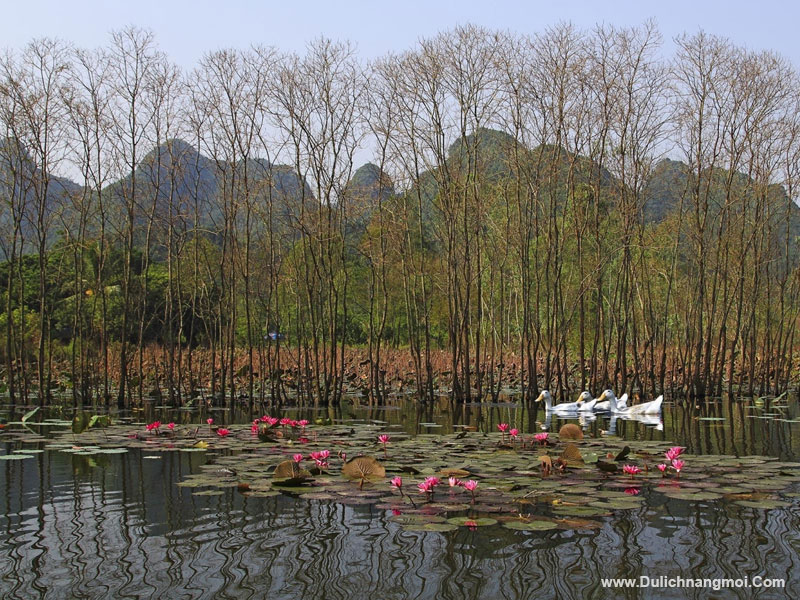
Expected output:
(607, 467)
(649, 419)
(605, 405)
(648, 408)
(586, 418)
(564, 407)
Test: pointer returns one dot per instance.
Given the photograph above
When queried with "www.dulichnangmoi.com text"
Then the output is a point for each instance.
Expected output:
(716, 584)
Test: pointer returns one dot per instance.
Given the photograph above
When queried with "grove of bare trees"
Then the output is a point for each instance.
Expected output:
(567, 209)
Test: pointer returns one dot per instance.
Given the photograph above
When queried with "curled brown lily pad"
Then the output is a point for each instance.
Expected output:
(363, 468)
(570, 431)
(289, 473)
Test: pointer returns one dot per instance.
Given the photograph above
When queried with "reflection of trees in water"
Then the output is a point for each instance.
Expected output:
(739, 432)
(126, 528)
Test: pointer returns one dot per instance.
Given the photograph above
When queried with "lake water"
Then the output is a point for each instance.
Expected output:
(119, 526)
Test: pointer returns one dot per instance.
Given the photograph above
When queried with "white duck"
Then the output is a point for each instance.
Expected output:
(586, 403)
(605, 405)
(647, 408)
(564, 407)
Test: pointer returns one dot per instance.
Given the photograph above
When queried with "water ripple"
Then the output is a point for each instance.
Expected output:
(127, 531)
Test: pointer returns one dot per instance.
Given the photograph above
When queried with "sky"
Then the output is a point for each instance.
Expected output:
(187, 30)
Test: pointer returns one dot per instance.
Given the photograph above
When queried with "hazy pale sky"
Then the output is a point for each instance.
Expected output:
(186, 30)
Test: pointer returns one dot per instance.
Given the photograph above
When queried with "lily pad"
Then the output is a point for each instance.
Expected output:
(530, 525)
(472, 522)
(580, 511)
(416, 519)
(290, 474)
(364, 468)
(763, 504)
(440, 527)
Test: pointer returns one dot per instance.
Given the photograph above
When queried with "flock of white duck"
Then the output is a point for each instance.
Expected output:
(607, 402)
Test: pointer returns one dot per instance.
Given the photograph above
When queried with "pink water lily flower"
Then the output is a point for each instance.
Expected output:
(632, 491)
(302, 423)
(384, 439)
(631, 470)
(253, 428)
(298, 458)
(171, 426)
(470, 485)
(673, 453)
(210, 421)
(223, 432)
(662, 467)
(398, 483)
(677, 464)
(514, 433)
(454, 481)
(503, 427)
(425, 487)
(541, 437)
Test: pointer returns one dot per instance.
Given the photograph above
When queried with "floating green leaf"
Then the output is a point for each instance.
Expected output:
(99, 420)
(472, 522)
(530, 525)
(763, 504)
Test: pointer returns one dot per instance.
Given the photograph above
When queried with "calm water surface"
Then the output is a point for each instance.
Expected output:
(118, 526)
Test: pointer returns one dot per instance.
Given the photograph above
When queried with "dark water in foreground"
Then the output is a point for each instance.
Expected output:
(118, 526)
